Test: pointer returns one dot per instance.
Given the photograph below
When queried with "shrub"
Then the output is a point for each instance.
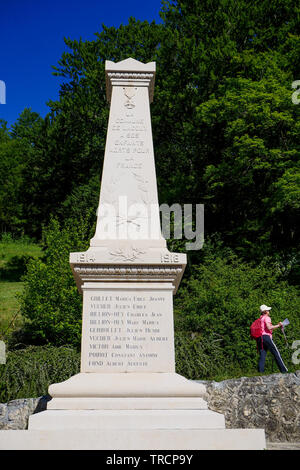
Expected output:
(222, 297)
(15, 268)
(199, 357)
(29, 372)
(15, 254)
(51, 304)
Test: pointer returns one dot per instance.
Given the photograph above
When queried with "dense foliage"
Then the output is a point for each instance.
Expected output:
(226, 131)
(51, 304)
(226, 134)
(29, 372)
(223, 294)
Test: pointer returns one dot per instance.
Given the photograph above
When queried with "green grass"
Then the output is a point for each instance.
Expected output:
(14, 255)
(10, 318)
(10, 249)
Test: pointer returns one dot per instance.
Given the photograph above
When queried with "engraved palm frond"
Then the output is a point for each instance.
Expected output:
(129, 254)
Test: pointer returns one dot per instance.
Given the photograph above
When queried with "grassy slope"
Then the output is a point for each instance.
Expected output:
(12, 253)
(9, 306)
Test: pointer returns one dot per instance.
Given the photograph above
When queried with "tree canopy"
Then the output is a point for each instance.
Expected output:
(225, 129)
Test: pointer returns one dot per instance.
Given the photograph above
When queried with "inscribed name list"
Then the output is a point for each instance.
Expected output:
(128, 331)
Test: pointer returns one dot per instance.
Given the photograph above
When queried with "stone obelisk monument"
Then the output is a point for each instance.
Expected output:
(127, 394)
(127, 276)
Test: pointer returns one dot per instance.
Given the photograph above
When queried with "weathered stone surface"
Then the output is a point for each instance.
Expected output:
(271, 402)
(15, 414)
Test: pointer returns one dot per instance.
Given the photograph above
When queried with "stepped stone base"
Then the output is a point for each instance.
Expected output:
(126, 420)
(140, 412)
(154, 439)
(126, 385)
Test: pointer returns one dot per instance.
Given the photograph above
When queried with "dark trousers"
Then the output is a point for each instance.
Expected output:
(265, 344)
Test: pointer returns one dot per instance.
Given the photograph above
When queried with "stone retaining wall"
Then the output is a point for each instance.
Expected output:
(271, 402)
(15, 413)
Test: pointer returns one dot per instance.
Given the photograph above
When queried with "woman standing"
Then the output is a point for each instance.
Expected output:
(265, 343)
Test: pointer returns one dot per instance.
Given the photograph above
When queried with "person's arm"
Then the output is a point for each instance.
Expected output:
(272, 327)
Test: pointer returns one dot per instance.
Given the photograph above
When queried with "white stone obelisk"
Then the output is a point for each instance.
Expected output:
(127, 276)
(128, 208)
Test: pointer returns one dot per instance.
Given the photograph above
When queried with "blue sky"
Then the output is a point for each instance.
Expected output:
(31, 38)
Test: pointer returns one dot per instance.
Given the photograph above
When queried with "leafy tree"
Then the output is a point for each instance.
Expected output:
(242, 182)
(224, 120)
(51, 304)
(226, 133)
(11, 176)
(27, 126)
(4, 135)
(22, 173)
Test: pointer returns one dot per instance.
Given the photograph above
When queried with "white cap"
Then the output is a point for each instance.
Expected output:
(263, 308)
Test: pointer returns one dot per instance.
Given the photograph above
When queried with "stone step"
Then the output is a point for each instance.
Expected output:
(158, 439)
(134, 403)
(126, 419)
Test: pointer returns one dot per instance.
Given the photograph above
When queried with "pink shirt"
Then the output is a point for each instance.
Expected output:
(265, 322)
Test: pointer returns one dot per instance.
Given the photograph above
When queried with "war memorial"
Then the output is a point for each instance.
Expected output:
(128, 394)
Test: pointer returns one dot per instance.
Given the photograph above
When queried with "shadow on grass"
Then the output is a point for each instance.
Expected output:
(15, 268)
